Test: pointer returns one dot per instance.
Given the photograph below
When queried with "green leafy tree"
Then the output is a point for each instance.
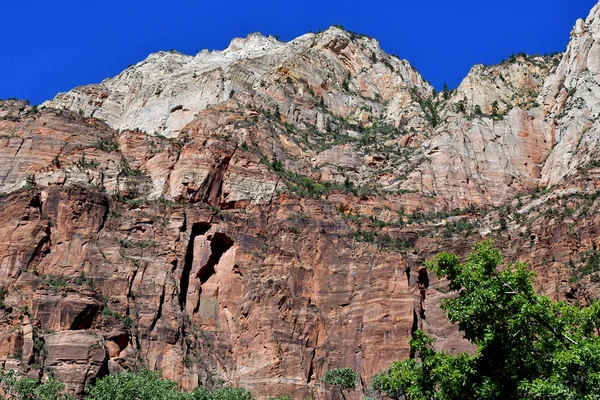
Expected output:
(344, 379)
(18, 388)
(495, 109)
(528, 346)
(147, 385)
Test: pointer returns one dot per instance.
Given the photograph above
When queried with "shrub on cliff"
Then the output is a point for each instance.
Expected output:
(529, 347)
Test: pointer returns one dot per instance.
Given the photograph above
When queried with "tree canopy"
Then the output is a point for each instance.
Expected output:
(126, 385)
(528, 346)
(344, 379)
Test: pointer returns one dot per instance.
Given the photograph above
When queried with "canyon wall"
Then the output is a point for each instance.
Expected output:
(261, 214)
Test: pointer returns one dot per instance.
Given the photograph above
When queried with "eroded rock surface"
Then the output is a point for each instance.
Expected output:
(261, 214)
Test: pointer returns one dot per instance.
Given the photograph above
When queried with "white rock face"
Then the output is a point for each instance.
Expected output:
(513, 83)
(163, 93)
(526, 122)
(546, 125)
(571, 99)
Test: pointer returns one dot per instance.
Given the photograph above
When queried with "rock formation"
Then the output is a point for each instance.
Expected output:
(261, 214)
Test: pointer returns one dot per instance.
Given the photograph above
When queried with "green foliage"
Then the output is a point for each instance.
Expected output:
(344, 379)
(84, 164)
(282, 397)
(454, 227)
(437, 376)
(149, 385)
(17, 388)
(305, 186)
(56, 161)
(446, 91)
(495, 110)
(3, 293)
(224, 393)
(460, 107)
(276, 164)
(383, 240)
(127, 321)
(129, 244)
(429, 108)
(55, 281)
(30, 182)
(107, 144)
(589, 263)
(82, 280)
(127, 170)
(528, 346)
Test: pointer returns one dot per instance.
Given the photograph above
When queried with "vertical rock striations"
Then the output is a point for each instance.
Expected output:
(261, 214)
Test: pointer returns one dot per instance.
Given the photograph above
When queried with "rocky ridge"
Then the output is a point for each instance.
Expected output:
(261, 214)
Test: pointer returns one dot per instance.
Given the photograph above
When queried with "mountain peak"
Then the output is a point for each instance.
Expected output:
(252, 43)
(346, 70)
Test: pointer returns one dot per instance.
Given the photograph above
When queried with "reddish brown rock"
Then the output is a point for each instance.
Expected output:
(281, 231)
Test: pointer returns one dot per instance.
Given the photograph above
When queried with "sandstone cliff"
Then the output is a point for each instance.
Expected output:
(261, 214)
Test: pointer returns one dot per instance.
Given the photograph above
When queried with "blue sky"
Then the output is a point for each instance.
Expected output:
(52, 46)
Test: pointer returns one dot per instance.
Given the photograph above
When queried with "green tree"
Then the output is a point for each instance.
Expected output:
(18, 388)
(344, 379)
(528, 346)
(446, 91)
(495, 109)
(147, 385)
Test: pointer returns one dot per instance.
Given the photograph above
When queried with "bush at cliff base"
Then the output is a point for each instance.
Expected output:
(146, 385)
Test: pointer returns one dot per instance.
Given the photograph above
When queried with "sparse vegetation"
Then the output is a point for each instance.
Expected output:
(107, 144)
(429, 107)
(83, 163)
(3, 293)
(588, 265)
(30, 182)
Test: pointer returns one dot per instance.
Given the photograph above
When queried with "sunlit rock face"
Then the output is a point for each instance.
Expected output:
(261, 214)
(163, 93)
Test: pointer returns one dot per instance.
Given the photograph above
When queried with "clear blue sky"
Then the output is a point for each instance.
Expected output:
(52, 46)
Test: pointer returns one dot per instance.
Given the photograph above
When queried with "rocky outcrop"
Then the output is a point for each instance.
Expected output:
(261, 214)
(570, 99)
(163, 93)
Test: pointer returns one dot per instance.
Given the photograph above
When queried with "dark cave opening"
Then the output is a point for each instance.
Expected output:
(85, 318)
(198, 229)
